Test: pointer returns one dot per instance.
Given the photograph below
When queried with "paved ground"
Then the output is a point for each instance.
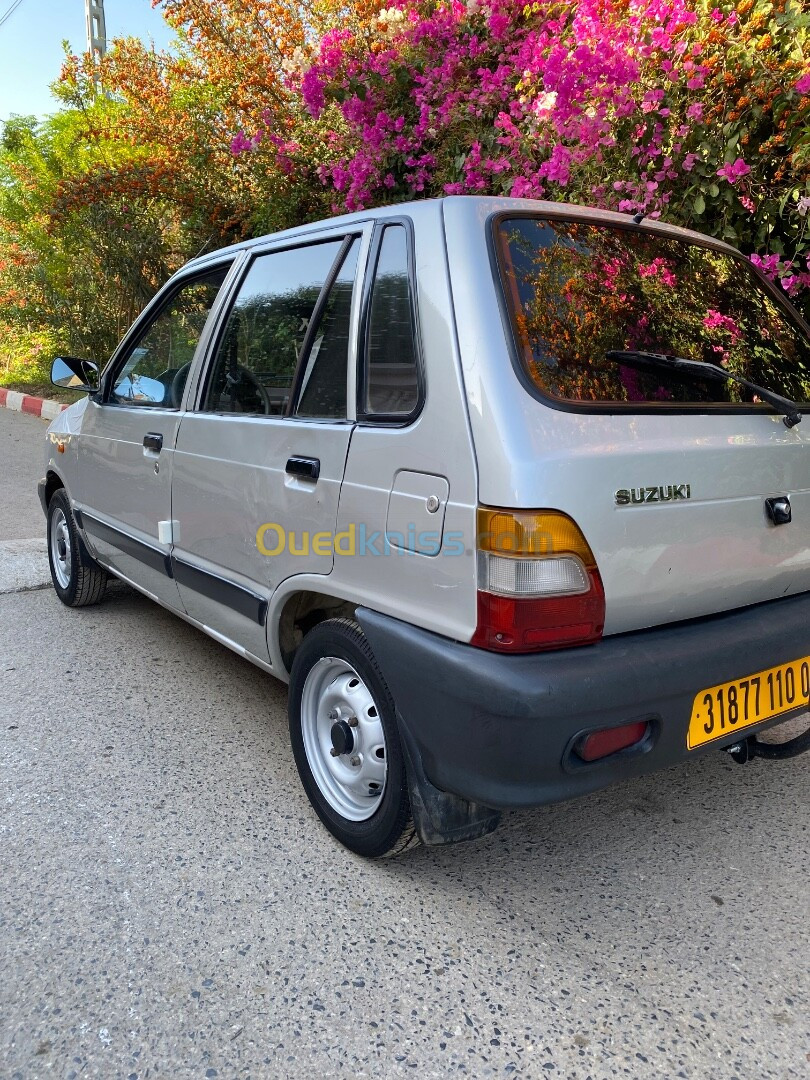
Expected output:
(170, 905)
(21, 465)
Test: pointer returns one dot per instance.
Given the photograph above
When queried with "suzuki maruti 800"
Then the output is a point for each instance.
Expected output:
(514, 495)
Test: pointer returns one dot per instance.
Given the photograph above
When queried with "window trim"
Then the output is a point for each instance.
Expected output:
(344, 237)
(612, 408)
(312, 327)
(396, 420)
(150, 314)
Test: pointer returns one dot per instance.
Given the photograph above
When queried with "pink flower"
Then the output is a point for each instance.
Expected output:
(714, 320)
(734, 171)
(803, 85)
(523, 189)
(658, 268)
(312, 92)
(240, 143)
(769, 265)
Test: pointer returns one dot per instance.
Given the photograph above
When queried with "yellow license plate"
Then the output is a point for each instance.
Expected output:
(723, 709)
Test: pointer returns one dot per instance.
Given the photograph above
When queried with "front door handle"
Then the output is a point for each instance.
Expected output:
(309, 467)
(153, 440)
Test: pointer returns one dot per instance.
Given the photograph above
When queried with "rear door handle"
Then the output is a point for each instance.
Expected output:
(310, 467)
(153, 440)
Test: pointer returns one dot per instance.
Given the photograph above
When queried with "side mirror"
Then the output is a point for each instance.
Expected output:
(75, 374)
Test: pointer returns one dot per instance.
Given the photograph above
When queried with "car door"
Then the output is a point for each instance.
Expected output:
(128, 436)
(259, 461)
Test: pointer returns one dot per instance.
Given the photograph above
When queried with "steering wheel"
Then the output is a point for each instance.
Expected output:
(246, 375)
(179, 385)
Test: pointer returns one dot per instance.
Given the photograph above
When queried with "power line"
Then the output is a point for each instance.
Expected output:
(10, 12)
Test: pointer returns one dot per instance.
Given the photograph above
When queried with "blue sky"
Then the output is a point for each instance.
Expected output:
(31, 45)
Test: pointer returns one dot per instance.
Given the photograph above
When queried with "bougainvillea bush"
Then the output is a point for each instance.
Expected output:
(693, 112)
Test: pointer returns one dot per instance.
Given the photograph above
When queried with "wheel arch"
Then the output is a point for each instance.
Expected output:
(53, 481)
(297, 612)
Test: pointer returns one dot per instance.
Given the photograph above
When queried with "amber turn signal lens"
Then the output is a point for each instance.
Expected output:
(530, 532)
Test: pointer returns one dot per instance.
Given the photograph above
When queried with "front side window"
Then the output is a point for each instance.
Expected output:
(391, 385)
(156, 367)
(266, 330)
(577, 292)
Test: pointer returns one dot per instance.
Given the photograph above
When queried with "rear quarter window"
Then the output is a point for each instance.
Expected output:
(576, 291)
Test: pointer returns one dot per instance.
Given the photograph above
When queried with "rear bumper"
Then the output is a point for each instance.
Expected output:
(498, 730)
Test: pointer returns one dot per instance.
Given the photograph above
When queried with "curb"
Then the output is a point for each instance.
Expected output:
(36, 406)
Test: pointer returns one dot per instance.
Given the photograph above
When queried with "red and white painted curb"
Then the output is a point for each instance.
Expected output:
(37, 406)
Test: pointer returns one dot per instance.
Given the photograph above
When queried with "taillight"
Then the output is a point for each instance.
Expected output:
(538, 583)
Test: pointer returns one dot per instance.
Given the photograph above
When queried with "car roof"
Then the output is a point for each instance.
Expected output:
(472, 207)
(360, 217)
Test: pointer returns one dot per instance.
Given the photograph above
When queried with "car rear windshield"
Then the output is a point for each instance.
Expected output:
(577, 291)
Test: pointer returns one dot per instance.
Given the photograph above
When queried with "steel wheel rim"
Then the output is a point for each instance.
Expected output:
(61, 552)
(351, 780)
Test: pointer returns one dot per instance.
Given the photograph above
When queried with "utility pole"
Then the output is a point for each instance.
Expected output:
(96, 27)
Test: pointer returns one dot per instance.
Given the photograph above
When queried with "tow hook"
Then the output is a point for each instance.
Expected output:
(749, 748)
(739, 751)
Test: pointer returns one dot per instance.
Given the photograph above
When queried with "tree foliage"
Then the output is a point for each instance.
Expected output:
(268, 113)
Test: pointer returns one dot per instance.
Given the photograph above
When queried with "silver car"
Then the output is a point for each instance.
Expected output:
(514, 495)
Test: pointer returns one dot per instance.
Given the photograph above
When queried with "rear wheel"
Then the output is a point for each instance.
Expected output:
(77, 581)
(345, 741)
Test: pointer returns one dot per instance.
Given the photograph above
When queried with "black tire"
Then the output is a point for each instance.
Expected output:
(389, 831)
(83, 581)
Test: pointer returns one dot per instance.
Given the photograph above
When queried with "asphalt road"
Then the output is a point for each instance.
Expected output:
(170, 906)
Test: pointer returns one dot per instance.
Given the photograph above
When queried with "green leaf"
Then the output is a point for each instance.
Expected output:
(699, 205)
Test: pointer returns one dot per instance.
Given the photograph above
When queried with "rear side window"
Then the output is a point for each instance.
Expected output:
(266, 329)
(391, 382)
(578, 291)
